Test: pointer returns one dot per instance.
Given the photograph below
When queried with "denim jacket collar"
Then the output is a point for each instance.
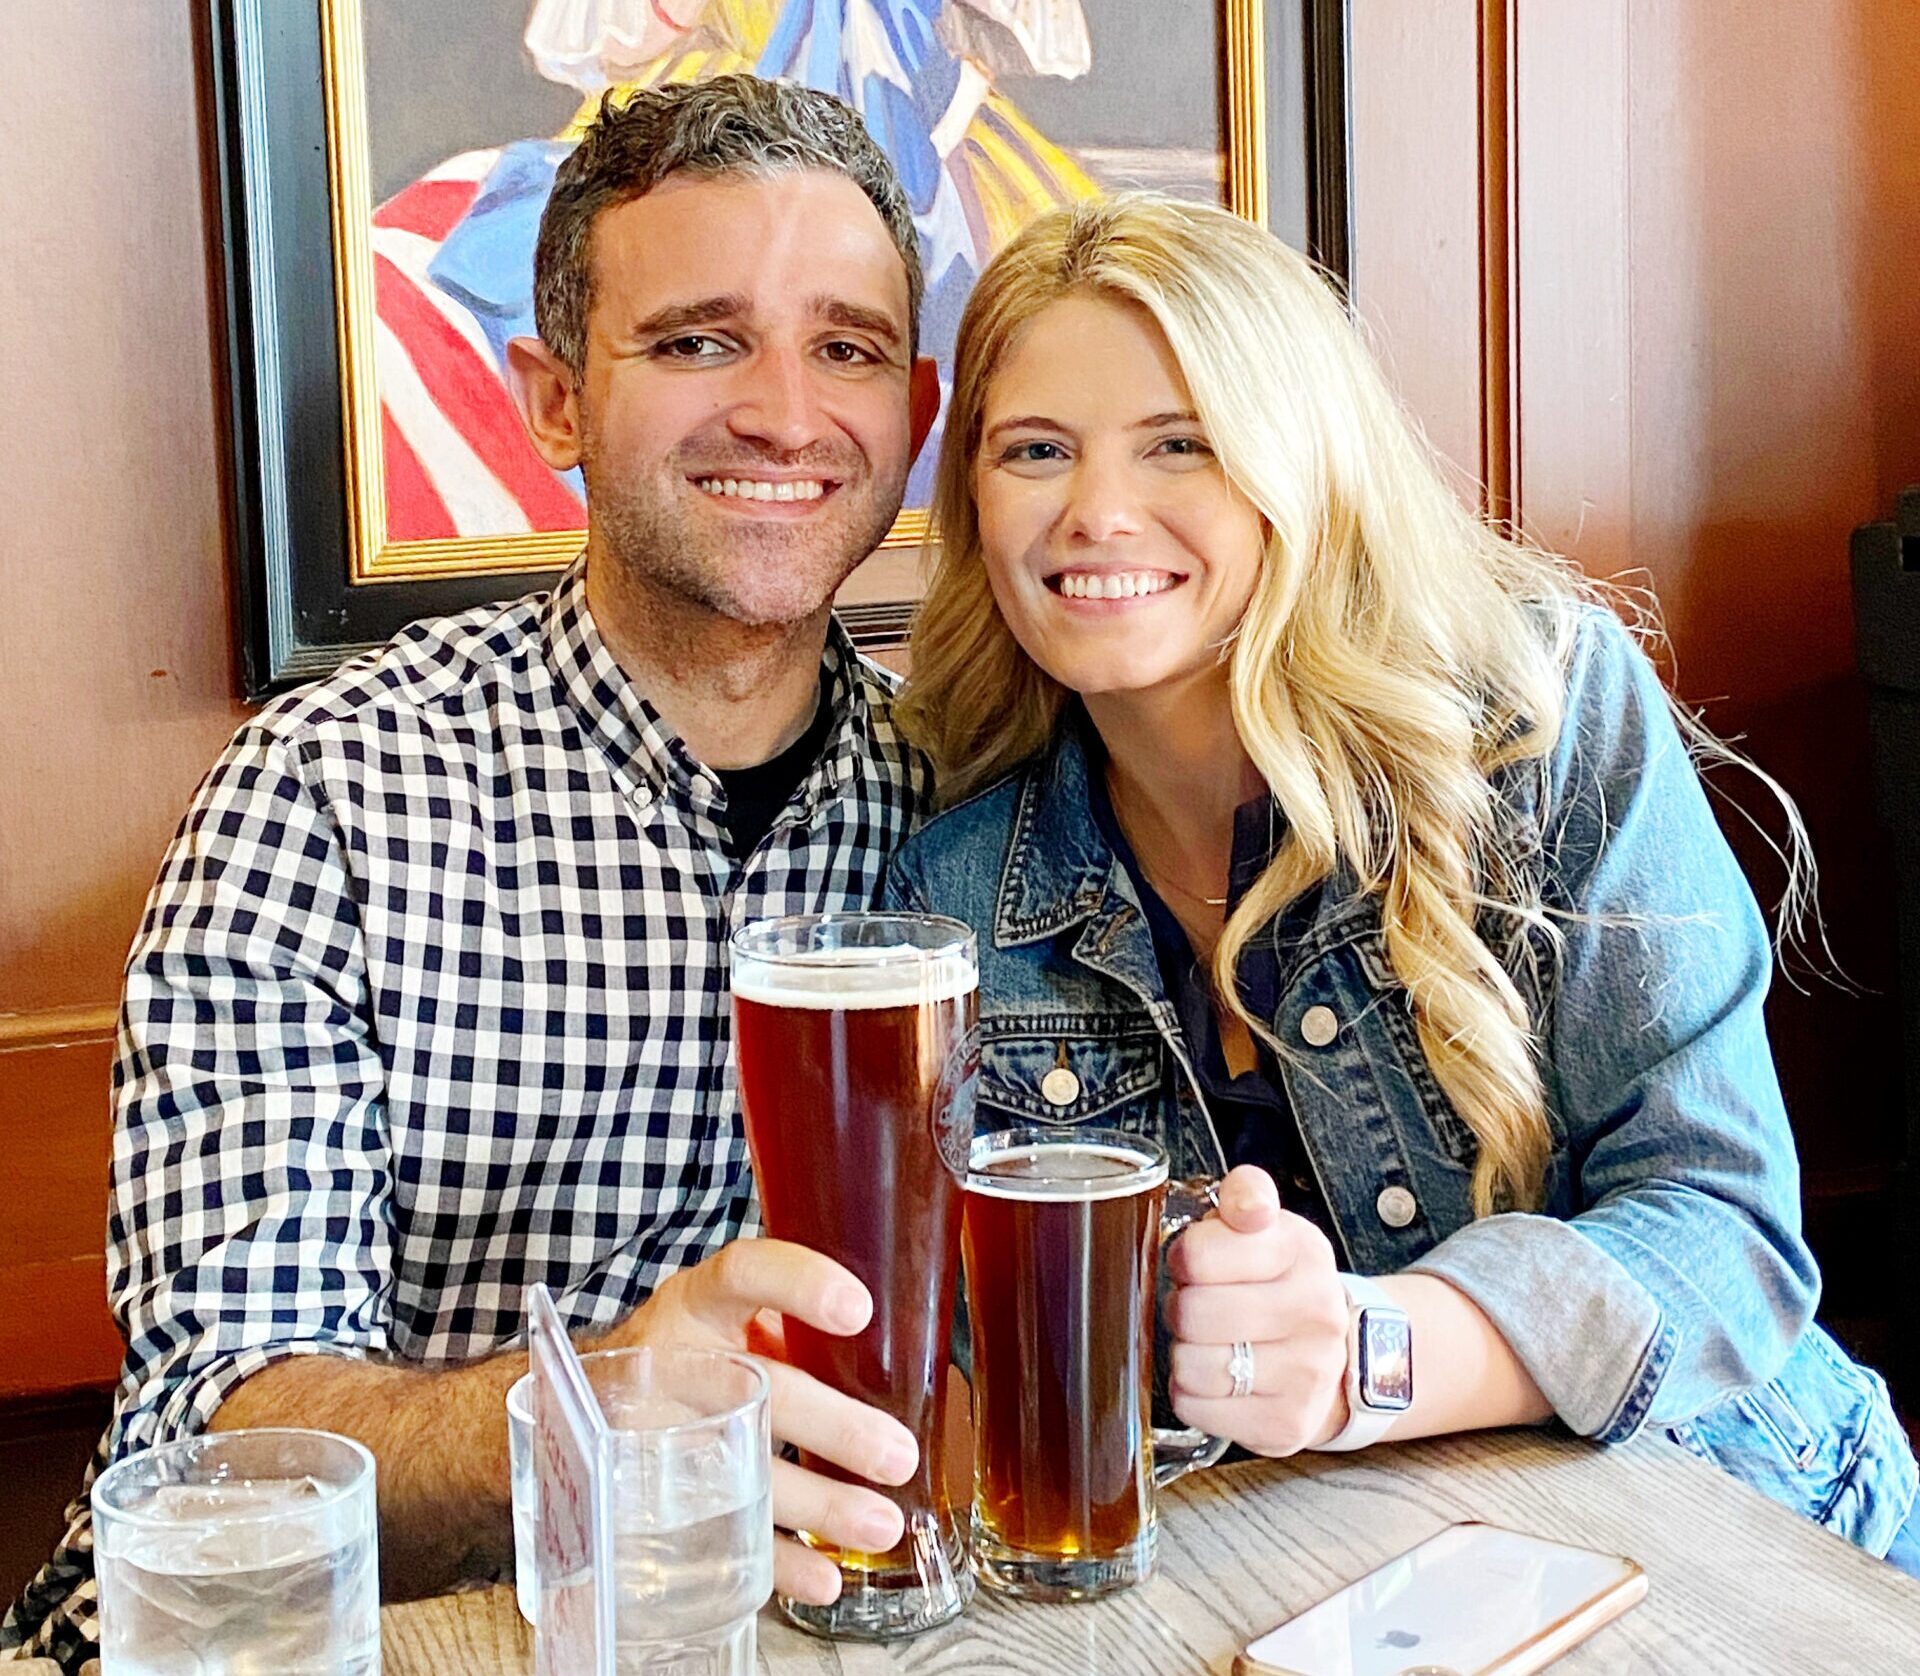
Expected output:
(1058, 868)
(1060, 872)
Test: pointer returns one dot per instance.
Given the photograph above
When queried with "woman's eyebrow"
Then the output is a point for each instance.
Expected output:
(1040, 422)
(1027, 422)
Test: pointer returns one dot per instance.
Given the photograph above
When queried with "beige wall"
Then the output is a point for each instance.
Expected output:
(116, 669)
(116, 675)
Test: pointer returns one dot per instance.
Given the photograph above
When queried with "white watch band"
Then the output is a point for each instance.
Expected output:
(1365, 1426)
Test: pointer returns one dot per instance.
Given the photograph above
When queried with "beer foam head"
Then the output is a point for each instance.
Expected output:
(899, 977)
(1080, 1170)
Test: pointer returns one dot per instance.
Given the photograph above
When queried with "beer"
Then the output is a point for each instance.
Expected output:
(846, 1161)
(857, 1051)
(1062, 1255)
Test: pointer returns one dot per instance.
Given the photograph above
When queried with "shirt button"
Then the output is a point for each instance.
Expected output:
(1396, 1206)
(1060, 1087)
(1319, 1026)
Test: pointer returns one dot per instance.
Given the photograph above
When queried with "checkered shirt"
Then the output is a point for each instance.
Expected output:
(430, 1003)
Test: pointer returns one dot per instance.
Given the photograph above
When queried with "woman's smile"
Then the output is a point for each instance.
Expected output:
(1083, 586)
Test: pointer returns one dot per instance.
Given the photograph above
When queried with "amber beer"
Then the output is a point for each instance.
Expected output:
(856, 1048)
(1062, 1241)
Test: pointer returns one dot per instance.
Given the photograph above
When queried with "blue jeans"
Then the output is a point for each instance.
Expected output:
(1905, 1552)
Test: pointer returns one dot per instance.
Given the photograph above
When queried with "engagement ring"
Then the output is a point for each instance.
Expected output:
(1240, 1368)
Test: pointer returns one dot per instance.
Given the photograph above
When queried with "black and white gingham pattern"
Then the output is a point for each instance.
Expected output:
(429, 1003)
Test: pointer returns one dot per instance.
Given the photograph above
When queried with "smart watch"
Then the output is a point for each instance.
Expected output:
(1379, 1365)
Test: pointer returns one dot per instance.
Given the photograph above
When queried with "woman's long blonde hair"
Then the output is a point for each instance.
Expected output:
(1395, 653)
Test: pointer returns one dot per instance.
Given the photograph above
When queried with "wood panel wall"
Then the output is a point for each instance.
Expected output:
(116, 672)
(1699, 296)
(1416, 181)
(1718, 344)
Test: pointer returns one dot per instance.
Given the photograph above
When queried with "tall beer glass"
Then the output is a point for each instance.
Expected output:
(857, 1050)
(1063, 1231)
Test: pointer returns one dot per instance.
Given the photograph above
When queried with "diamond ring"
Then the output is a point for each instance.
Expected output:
(1240, 1368)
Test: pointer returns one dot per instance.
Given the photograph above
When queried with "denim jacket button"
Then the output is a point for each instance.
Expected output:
(1060, 1086)
(1396, 1206)
(1318, 1026)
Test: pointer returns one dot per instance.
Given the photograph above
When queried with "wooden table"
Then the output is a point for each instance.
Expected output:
(1739, 1585)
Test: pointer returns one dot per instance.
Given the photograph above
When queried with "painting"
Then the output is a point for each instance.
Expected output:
(383, 165)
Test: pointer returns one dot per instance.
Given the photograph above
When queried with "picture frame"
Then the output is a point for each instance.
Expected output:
(321, 572)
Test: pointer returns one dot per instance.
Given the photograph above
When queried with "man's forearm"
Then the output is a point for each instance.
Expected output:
(439, 1439)
(440, 1435)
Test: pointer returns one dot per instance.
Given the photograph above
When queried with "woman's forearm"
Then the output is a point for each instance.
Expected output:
(1465, 1375)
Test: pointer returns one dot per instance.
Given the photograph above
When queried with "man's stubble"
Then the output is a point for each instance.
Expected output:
(663, 547)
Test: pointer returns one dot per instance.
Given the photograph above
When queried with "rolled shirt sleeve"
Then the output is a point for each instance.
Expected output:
(249, 1215)
(1679, 1274)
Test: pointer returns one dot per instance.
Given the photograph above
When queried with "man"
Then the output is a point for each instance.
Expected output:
(429, 1002)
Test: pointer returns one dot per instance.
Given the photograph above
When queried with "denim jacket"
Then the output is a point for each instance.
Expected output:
(1664, 1281)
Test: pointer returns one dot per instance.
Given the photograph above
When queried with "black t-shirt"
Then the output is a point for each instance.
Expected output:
(756, 795)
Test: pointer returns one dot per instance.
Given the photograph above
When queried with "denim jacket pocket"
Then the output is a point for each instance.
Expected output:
(1389, 1005)
(1819, 1438)
(1770, 1408)
(1065, 1068)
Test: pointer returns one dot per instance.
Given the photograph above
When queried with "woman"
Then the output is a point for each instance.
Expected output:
(1323, 834)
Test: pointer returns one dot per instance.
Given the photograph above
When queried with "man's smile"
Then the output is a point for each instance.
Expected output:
(767, 488)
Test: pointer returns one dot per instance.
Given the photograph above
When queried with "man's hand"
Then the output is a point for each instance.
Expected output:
(734, 1301)
(1253, 1271)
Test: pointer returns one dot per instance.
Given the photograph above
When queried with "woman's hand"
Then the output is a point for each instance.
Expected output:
(1254, 1272)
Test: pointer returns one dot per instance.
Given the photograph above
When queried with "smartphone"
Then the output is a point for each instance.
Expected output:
(1473, 1600)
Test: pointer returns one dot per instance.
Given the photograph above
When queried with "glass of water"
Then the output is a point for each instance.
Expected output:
(238, 1552)
(526, 1498)
(692, 1506)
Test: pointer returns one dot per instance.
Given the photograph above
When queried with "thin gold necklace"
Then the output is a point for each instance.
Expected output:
(1191, 895)
(1187, 891)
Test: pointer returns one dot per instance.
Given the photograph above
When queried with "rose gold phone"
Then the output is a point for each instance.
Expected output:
(1473, 1600)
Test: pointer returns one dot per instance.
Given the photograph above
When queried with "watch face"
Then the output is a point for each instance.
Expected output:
(1386, 1359)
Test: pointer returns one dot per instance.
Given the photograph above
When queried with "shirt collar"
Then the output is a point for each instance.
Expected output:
(642, 749)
